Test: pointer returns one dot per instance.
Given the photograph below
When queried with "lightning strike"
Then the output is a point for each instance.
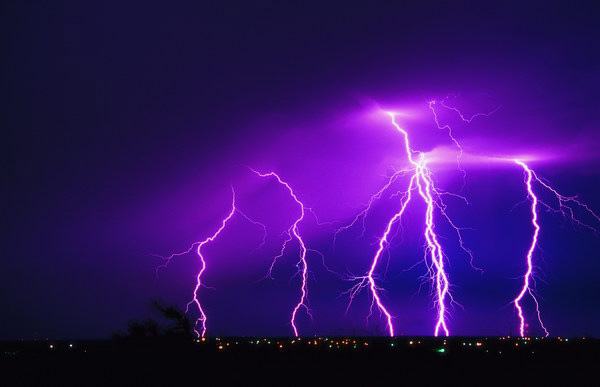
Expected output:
(195, 300)
(526, 288)
(421, 182)
(293, 233)
(197, 246)
(566, 210)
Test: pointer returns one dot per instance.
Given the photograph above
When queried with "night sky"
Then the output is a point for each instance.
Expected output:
(126, 125)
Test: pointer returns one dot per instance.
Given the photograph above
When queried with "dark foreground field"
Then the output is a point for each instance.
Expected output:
(306, 362)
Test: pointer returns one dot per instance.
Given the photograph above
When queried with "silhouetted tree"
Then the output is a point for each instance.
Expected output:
(144, 329)
(181, 325)
(179, 329)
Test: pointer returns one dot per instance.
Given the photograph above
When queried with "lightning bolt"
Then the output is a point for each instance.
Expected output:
(426, 189)
(195, 300)
(421, 182)
(369, 278)
(293, 233)
(527, 278)
(565, 208)
(197, 246)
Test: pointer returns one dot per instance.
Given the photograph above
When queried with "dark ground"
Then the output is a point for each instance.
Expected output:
(333, 361)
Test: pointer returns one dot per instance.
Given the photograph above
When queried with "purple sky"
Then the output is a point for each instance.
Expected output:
(127, 124)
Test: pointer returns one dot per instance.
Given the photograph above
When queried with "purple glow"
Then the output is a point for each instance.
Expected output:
(420, 180)
(302, 264)
(202, 319)
(421, 177)
(382, 244)
(126, 128)
(426, 189)
(195, 300)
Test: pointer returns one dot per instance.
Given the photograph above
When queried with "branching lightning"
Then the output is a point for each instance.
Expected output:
(421, 182)
(195, 300)
(200, 323)
(565, 208)
(526, 288)
(293, 233)
(467, 120)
